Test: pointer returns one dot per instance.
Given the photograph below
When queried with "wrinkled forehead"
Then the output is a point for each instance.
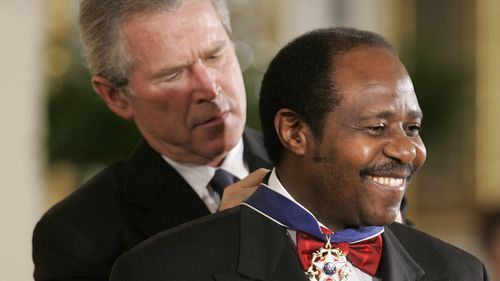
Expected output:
(190, 29)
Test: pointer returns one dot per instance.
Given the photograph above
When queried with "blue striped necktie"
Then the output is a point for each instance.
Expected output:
(222, 179)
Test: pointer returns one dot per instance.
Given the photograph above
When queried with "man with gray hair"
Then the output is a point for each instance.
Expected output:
(169, 66)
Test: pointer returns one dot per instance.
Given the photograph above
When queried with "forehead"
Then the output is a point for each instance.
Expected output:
(190, 28)
(371, 79)
(366, 65)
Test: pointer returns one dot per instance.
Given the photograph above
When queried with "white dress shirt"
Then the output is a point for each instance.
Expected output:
(275, 184)
(199, 176)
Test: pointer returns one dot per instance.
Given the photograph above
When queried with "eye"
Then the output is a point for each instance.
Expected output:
(172, 76)
(414, 130)
(215, 57)
(377, 129)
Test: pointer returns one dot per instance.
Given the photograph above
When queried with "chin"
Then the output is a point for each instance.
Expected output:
(381, 218)
(220, 143)
(220, 147)
(215, 150)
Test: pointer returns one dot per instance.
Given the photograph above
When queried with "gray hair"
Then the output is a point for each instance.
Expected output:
(101, 32)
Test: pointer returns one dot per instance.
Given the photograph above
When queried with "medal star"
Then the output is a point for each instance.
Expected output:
(329, 265)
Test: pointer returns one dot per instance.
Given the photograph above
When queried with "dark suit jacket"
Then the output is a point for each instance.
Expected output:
(241, 244)
(81, 237)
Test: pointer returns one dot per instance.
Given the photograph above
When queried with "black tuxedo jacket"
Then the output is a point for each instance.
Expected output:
(81, 237)
(241, 244)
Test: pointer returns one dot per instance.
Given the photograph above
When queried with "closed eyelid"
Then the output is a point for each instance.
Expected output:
(219, 47)
(164, 73)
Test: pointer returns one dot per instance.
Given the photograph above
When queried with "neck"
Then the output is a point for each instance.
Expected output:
(301, 184)
(180, 155)
(216, 162)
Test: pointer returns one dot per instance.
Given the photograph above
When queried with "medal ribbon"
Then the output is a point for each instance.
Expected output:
(287, 213)
(291, 215)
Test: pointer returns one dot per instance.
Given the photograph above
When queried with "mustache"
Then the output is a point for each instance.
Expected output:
(389, 168)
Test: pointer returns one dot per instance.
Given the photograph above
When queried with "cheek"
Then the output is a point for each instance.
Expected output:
(363, 152)
(232, 85)
(231, 74)
(159, 102)
(161, 107)
(366, 151)
(350, 153)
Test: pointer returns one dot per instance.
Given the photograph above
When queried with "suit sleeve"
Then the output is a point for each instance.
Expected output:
(137, 265)
(62, 253)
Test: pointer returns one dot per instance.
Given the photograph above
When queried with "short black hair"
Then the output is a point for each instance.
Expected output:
(301, 78)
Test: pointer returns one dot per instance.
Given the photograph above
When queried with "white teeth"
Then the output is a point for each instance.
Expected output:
(388, 181)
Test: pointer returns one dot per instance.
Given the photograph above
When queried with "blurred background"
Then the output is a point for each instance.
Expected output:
(57, 133)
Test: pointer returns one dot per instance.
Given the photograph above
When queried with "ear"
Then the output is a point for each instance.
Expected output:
(292, 131)
(115, 99)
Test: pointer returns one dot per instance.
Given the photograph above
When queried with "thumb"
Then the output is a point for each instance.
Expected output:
(254, 178)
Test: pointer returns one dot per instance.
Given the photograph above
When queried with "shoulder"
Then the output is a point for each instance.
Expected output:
(212, 240)
(416, 241)
(68, 239)
(210, 236)
(216, 228)
(101, 191)
(101, 199)
(86, 214)
(436, 256)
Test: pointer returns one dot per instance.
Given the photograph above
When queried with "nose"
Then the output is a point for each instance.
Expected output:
(401, 148)
(204, 81)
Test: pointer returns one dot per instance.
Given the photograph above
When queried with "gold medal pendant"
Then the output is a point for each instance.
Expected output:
(329, 264)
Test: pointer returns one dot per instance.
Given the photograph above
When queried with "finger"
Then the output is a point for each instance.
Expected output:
(255, 178)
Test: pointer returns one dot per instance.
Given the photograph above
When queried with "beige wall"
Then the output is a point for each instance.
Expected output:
(21, 124)
(294, 17)
(488, 104)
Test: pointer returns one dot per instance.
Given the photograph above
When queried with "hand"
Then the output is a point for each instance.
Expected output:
(234, 194)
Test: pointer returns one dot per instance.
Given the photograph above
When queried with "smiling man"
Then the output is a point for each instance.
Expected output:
(342, 123)
(368, 145)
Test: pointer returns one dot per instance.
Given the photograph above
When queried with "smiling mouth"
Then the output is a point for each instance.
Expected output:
(389, 182)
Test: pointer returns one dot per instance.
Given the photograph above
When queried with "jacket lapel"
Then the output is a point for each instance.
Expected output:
(152, 184)
(266, 251)
(396, 263)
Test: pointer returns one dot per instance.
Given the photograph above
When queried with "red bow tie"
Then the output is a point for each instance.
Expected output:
(365, 254)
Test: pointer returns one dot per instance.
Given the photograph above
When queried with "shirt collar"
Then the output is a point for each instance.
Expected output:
(275, 184)
(198, 176)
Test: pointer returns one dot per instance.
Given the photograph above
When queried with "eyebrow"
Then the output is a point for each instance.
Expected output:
(415, 114)
(218, 46)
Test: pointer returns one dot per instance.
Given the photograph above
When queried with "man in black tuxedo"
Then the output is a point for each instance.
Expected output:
(341, 121)
(170, 66)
